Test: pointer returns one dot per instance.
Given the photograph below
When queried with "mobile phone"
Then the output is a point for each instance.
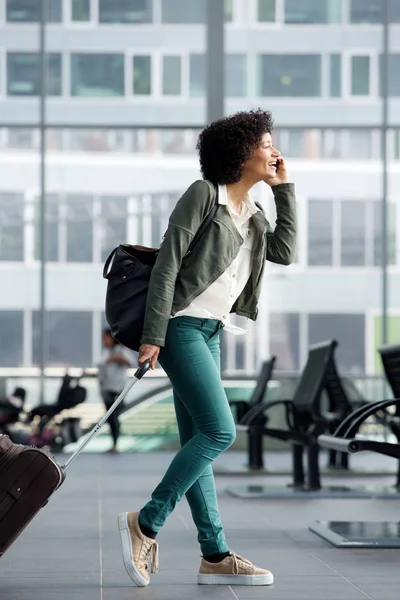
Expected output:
(278, 164)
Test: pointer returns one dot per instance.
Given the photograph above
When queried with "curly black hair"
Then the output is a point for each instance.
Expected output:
(226, 144)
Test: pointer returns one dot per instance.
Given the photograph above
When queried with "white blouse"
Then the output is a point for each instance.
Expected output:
(217, 300)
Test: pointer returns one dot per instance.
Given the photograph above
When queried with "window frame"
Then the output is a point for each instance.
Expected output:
(59, 24)
(87, 99)
(184, 75)
(94, 16)
(155, 74)
(347, 55)
(279, 16)
(4, 75)
(289, 99)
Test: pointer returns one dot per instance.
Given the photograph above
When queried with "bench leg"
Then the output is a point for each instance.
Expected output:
(298, 467)
(332, 459)
(344, 461)
(314, 480)
(255, 448)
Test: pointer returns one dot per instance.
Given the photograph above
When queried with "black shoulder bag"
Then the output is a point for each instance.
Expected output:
(128, 270)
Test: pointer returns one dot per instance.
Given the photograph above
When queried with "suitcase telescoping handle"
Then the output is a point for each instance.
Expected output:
(138, 375)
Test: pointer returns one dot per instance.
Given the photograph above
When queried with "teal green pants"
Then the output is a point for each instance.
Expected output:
(191, 359)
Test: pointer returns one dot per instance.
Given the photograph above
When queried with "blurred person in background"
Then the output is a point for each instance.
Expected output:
(116, 360)
(189, 300)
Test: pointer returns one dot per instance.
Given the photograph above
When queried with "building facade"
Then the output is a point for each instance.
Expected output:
(126, 87)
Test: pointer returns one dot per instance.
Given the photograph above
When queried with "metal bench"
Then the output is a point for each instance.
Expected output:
(305, 421)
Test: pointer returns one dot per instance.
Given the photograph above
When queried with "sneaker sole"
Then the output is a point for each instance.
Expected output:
(126, 543)
(235, 579)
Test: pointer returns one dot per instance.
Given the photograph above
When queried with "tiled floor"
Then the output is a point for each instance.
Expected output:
(71, 550)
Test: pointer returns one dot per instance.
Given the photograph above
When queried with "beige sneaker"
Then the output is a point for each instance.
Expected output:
(137, 549)
(233, 570)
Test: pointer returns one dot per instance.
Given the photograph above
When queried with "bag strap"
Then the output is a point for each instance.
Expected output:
(107, 264)
(201, 230)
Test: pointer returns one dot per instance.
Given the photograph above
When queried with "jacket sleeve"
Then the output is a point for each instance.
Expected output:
(281, 241)
(183, 224)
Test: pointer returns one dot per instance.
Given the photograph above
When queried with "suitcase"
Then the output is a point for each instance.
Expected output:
(29, 475)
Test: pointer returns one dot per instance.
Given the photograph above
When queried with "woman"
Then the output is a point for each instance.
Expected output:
(112, 379)
(189, 301)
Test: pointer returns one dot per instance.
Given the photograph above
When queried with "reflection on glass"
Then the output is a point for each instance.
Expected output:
(79, 228)
(28, 11)
(11, 227)
(142, 75)
(289, 75)
(23, 74)
(349, 329)
(172, 75)
(266, 11)
(65, 329)
(371, 11)
(236, 75)
(114, 219)
(393, 75)
(313, 11)
(391, 229)
(335, 61)
(197, 75)
(80, 10)
(353, 230)
(183, 11)
(52, 223)
(360, 75)
(125, 11)
(11, 336)
(97, 74)
(320, 232)
(284, 331)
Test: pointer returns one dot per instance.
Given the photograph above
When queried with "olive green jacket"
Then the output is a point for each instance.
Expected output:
(177, 277)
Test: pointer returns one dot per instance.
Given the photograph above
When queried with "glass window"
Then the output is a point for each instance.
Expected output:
(114, 219)
(11, 336)
(52, 219)
(80, 10)
(289, 75)
(284, 329)
(371, 11)
(393, 334)
(69, 338)
(313, 11)
(360, 75)
(125, 11)
(23, 74)
(79, 228)
(183, 11)
(97, 74)
(142, 75)
(335, 75)
(349, 330)
(391, 228)
(228, 9)
(172, 75)
(236, 75)
(197, 75)
(393, 74)
(320, 234)
(28, 11)
(353, 229)
(266, 12)
(11, 227)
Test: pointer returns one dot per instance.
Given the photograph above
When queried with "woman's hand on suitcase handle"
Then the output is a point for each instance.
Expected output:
(148, 352)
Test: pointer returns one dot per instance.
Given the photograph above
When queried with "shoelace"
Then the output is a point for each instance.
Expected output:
(236, 562)
(151, 552)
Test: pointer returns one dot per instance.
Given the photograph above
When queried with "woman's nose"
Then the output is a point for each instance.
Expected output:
(275, 151)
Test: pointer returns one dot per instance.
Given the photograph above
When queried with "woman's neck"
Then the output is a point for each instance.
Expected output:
(237, 192)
